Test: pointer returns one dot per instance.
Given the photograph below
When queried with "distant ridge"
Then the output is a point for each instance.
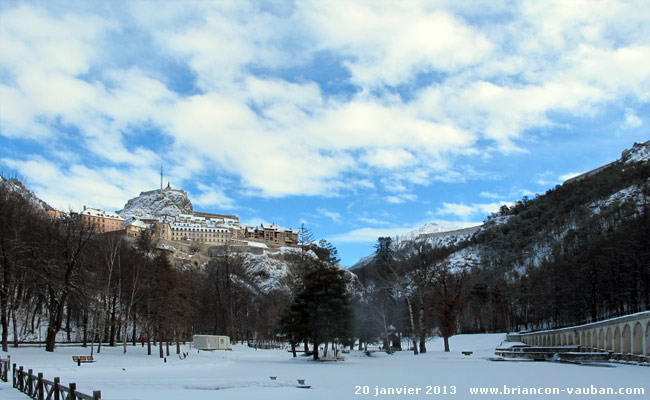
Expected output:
(639, 152)
(19, 187)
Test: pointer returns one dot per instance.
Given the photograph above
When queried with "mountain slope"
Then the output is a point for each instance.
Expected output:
(19, 187)
(579, 252)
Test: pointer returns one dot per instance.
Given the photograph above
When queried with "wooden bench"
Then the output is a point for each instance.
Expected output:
(467, 353)
(83, 359)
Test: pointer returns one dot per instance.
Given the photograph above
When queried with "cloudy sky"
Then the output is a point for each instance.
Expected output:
(358, 118)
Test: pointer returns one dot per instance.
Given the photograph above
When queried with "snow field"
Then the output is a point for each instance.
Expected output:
(244, 373)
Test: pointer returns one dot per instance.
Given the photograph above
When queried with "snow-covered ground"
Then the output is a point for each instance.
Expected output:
(244, 373)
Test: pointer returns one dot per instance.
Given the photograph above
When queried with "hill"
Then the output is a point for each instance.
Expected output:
(580, 252)
(153, 204)
(15, 185)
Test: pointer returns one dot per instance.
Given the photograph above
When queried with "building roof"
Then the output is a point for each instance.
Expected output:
(95, 212)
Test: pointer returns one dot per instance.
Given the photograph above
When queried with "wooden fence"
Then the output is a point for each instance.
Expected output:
(38, 388)
(4, 369)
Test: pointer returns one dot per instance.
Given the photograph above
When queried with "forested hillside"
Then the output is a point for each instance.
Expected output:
(578, 253)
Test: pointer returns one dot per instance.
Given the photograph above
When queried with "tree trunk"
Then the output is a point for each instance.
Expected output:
(68, 330)
(134, 328)
(446, 339)
(412, 321)
(15, 322)
(55, 320)
(423, 330)
(5, 327)
(315, 343)
(85, 330)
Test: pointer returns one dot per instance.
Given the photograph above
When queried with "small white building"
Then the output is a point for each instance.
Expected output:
(212, 342)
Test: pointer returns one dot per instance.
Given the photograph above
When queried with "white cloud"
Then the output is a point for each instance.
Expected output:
(78, 185)
(490, 195)
(401, 198)
(373, 221)
(568, 175)
(334, 216)
(369, 235)
(631, 120)
(282, 135)
(466, 212)
(212, 195)
(387, 43)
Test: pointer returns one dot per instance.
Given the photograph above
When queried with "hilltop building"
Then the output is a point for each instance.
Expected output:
(104, 221)
(134, 227)
(271, 233)
(171, 216)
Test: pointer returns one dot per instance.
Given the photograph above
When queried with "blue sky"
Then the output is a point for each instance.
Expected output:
(359, 118)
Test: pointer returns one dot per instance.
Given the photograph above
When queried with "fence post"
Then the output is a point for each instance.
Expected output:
(30, 382)
(39, 386)
(55, 390)
(72, 395)
(13, 375)
(21, 381)
(97, 394)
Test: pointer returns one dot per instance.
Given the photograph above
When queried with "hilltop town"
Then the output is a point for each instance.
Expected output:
(168, 214)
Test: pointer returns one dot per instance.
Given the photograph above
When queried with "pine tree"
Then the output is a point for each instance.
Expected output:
(321, 310)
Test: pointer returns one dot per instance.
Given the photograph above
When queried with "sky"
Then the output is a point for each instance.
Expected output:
(359, 119)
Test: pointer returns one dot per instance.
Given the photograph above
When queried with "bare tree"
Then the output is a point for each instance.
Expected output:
(60, 265)
(448, 287)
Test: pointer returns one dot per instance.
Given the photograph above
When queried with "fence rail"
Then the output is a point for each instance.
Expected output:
(38, 388)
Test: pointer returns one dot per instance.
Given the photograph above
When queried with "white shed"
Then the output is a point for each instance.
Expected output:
(212, 342)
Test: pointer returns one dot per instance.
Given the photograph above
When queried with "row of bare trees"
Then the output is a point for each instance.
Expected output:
(61, 274)
(409, 289)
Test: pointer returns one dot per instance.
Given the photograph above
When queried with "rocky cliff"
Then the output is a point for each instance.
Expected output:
(157, 203)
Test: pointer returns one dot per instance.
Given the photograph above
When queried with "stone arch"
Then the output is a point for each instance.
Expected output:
(608, 339)
(562, 339)
(545, 341)
(572, 338)
(617, 340)
(582, 338)
(626, 339)
(588, 339)
(637, 339)
(601, 339)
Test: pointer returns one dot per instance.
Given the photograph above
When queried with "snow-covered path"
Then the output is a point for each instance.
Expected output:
(244, 373)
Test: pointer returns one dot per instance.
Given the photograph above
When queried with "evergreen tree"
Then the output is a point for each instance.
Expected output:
(321, 310)
(327, 252)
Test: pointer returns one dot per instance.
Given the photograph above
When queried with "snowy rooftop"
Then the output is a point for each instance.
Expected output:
(95, 212)
(136, 223)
